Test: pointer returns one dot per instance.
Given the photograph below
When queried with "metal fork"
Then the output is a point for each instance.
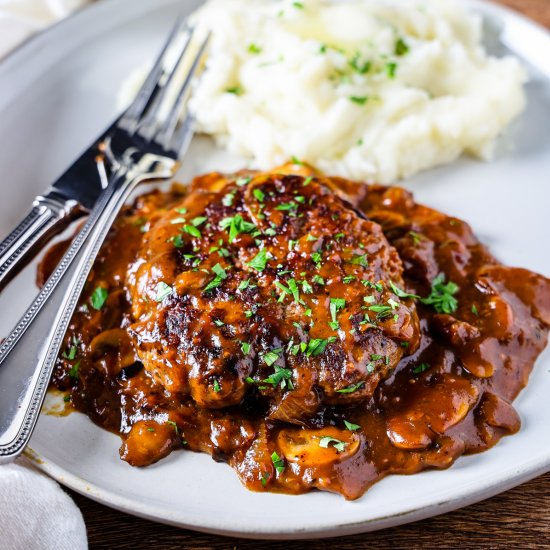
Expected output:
(145, 145)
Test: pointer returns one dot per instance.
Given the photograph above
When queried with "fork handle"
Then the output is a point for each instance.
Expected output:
(28, 354)
(50, 214)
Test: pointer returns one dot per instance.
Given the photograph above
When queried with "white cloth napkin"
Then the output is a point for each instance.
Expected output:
(36, 514)
(21, 18)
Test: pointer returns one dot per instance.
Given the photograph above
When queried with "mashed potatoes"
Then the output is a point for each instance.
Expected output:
(367, 89)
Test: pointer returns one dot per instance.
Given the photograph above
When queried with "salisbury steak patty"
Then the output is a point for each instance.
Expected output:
(269, 283)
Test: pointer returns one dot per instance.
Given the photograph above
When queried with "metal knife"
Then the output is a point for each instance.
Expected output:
(70, 197)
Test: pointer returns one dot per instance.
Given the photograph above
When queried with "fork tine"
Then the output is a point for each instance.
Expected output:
(168, 137)
(153, 83)
(148, 126)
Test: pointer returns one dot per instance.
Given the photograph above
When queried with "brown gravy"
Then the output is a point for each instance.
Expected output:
(449, 394)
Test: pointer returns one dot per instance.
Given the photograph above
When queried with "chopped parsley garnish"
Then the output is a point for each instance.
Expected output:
(351, 427)
(317, 258)
(360, 259)
(177, 220)
(173, 424)
(73, 350)
(192, 230)
(318, 345)
(254, 48)
(306, 287)
(401, 47)
(98, 298)
(271, 356)
(236, 225)
(245, 347)
(295, 160)
(219, 323)
(360, 100)
(220, 273)
(298, 5)
(163, 291)
(416, 237)
(278, 462)
(294, 289)
(259, 194)
(71, 354)
(421, 368)
(401, 293)
(442, 296)
(381, 310)
(228, 199)
(217, 387)
(177, 241)
(67, 398)
(391, 69)
(235, 90)
(349, 278)
(307, 181)
(281, 376)
(259, 261)
(181, 210)
(318, 279)
(393, 304)
(223, 252)
(336, 304)
(290, 207)
(327, 440)
(264, 479)
(361, 67)
(241, 182)
(243, 285)
(377, 286)
(73, 373)
(475, 311)
(199, 220)
(352, 388)
(291, 289)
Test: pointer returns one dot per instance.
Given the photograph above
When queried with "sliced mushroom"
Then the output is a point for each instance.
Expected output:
(433, 411)
(117, 344)
(148, 442)
(479, 354)
(499, 413)
(409, 435)
(309, 447)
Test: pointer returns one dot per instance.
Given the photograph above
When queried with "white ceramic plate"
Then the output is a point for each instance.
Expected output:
(58, 91)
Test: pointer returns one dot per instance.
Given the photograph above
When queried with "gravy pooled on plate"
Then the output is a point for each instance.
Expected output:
(311, 332)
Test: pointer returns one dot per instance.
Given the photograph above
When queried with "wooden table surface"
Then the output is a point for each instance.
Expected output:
(519, 518)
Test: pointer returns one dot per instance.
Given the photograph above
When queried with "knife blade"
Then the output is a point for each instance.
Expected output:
(71, 196)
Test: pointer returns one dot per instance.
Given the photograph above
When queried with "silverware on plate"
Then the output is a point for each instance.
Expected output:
(145, 145)
(70, 197)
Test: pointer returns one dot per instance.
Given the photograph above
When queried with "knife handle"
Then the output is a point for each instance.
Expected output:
(50, 214)
(29, 352)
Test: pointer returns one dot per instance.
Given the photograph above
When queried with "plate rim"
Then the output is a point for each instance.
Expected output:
(489, 489)
(500, 482)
